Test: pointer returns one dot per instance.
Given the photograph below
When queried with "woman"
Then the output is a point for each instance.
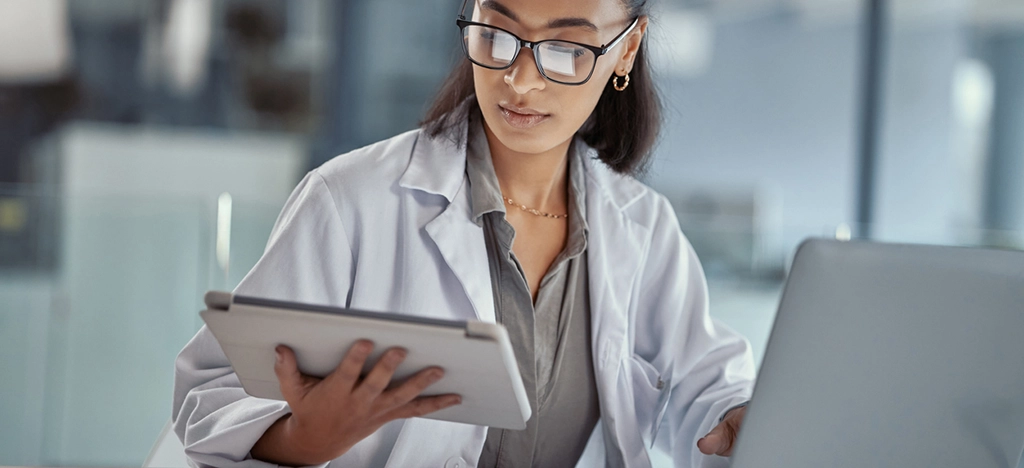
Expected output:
(514, 203)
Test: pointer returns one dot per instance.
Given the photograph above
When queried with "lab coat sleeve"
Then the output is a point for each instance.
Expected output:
(307, 259)
(707, 367)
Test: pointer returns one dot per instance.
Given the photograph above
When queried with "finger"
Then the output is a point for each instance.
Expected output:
(423, 406)
(347, 373)
(411, 388)
(294, 385)
(380, 376)
(717, 442)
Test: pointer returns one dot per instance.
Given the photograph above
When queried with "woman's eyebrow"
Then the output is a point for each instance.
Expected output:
(493, 5)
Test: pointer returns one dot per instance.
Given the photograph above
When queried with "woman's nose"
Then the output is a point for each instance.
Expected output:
(524, 75)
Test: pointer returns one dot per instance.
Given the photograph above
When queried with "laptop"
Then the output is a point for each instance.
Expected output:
(892, 356)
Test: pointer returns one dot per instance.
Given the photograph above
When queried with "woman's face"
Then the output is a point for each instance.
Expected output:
(525, 111)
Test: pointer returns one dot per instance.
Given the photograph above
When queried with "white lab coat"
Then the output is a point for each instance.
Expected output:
(387, 227)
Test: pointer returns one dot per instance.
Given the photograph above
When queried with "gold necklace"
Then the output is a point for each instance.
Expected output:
(533, 211)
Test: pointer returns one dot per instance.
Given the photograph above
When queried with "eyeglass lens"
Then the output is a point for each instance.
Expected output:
(559, 61)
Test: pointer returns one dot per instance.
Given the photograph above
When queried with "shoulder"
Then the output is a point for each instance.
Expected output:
(370, 167)
(636, 201)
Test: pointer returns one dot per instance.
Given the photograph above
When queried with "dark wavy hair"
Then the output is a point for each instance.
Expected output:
(623, 127)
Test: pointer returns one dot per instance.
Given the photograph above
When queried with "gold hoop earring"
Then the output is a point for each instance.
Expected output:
(615, 82)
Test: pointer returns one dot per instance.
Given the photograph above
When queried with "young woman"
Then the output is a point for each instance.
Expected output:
(514, 203)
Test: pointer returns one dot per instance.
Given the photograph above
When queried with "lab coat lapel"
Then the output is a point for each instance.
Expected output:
(614, 251)
(461, 243)
(615, 248)
(438, 166)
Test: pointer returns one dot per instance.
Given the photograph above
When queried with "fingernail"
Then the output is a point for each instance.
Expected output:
(455, 400)
(436, 375)
(280, 357)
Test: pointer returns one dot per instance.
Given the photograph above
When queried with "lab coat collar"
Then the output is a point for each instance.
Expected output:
(604, 179)
(438, 164)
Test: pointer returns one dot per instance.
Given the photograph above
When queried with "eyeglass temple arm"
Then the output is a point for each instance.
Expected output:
(623, 34)
(462, 10)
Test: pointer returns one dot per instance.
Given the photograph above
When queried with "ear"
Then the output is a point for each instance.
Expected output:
(631, 46)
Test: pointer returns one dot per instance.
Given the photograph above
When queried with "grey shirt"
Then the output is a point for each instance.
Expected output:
(551, 339)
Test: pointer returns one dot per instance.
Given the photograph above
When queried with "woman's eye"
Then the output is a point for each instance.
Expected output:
(574, 52)
(569, 50)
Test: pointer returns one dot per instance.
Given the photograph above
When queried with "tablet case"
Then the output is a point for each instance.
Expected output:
(477, 356)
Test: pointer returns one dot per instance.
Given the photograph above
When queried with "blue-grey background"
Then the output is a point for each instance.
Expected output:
(146, 147)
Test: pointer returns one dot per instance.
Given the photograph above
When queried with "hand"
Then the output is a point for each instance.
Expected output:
(721, 439)
(332, 414)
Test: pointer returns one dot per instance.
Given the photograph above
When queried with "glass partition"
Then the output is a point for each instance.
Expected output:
(93, 318)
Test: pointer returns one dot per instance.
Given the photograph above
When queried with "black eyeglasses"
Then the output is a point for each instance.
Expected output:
(564, 62)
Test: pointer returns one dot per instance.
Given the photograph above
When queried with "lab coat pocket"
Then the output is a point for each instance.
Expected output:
(651, 390)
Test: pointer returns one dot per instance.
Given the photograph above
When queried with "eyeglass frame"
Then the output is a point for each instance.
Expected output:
(462, 23)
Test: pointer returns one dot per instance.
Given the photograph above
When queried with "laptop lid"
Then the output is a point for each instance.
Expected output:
(892, 356)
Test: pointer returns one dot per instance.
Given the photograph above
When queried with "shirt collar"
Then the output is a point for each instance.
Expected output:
(484, 188)
(485, 192)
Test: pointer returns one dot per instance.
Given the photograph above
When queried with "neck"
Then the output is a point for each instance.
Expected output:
(535, 180)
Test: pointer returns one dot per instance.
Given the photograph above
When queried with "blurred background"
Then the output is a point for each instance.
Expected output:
(146, 147)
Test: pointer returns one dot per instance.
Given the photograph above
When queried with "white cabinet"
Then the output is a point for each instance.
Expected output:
(137, 220)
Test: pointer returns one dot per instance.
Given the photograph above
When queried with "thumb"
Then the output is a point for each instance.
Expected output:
(717, 442)
(286, 367)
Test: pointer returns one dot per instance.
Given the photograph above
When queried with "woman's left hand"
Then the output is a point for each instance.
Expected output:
(721, 439)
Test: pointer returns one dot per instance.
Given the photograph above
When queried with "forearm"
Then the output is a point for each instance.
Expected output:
(702, 399)
(217, 422)
(281, 445)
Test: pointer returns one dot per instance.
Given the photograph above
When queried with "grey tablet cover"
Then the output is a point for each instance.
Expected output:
(477, 357)
(892, 356)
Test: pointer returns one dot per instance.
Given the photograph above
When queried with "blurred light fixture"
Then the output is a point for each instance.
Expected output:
(973, 92)
(34, 41)
(186, 44)
(973, 101)
(683, 43)
(844, 232)
(223, 245)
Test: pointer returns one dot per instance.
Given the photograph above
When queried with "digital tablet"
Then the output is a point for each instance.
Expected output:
(476, 356)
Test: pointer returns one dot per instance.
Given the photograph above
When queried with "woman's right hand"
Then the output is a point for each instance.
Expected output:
(332, 414)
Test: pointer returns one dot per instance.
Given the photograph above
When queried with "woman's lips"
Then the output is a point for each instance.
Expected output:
(521, 118)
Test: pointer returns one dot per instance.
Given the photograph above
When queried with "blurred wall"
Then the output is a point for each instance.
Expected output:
(776, 111)
(1004, 208)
